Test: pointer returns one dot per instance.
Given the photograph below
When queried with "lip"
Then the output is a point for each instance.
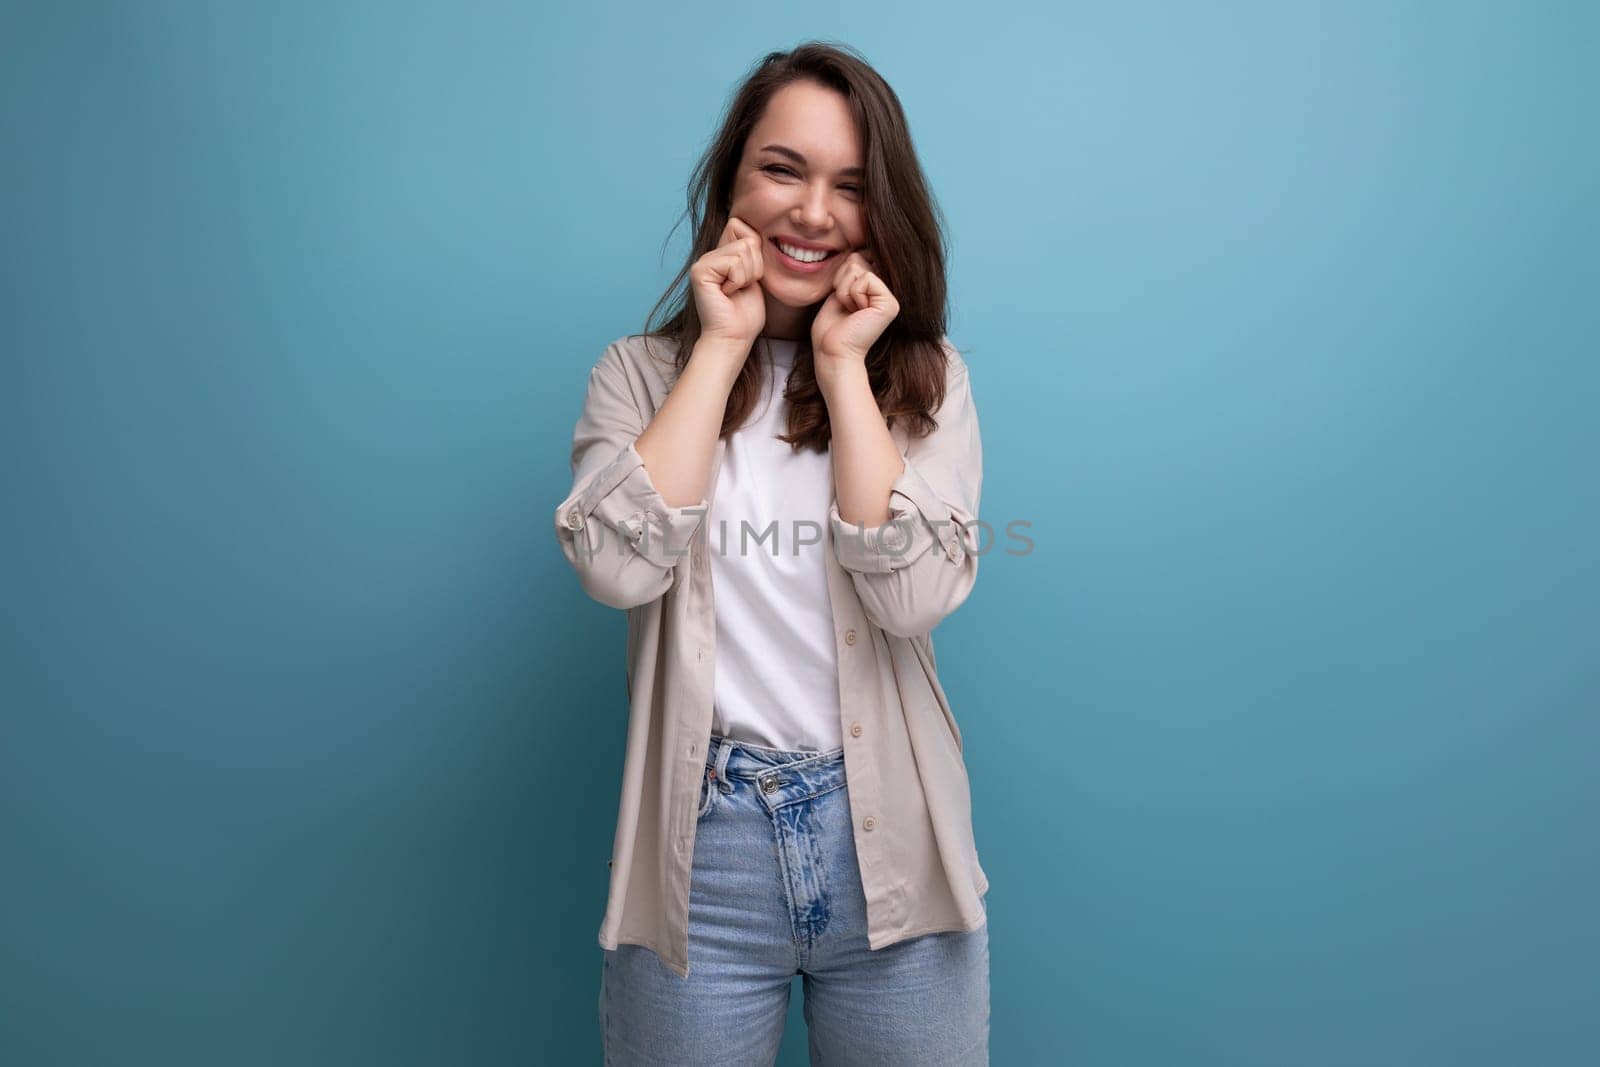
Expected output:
(812, 246)
(795, 265)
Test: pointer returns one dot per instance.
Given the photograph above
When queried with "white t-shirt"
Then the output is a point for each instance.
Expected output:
(776, 674)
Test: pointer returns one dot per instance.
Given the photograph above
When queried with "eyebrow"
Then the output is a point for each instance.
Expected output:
(783, 150)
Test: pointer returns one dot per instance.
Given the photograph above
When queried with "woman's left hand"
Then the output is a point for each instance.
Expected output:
(854, 316)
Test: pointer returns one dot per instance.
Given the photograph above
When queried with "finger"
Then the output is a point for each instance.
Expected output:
(861, 287)
(758, 259)
(870, 283)
(736, 230)
(741, 254)
(714, 265)
(847, 294)
(741, 228)
(753, 255)
(841, 287)
(733, 275)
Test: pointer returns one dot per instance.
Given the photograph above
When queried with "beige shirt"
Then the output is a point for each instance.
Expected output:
(889, 586)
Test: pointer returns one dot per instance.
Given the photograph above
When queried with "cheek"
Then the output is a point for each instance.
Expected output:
(856, 227)
(761, 202)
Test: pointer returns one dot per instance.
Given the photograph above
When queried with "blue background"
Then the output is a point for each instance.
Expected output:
(1282, 324)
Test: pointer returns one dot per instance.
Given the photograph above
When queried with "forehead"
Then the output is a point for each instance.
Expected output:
(814, 121)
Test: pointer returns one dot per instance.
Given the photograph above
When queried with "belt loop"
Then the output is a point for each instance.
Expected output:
(724, 750)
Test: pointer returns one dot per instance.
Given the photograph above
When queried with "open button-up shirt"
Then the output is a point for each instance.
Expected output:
(889, 585)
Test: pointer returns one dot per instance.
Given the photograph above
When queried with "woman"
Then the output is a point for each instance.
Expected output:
(804, 806)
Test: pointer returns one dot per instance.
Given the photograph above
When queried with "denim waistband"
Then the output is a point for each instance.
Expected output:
(784, 774)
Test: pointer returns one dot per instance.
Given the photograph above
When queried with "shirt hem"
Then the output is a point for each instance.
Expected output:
(677, 968)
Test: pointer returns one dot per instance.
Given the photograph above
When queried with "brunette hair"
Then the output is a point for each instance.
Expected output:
(907, 365)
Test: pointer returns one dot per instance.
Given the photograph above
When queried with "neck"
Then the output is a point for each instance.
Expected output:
(785, 323)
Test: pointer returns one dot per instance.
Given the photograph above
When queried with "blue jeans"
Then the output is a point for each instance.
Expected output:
(775, 891)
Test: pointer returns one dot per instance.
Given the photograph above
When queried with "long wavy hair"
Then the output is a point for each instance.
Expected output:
(907, 365)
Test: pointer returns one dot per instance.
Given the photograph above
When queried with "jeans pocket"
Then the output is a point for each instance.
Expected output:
(708, 793)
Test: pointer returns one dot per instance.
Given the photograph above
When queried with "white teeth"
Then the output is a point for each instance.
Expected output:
(802, 254)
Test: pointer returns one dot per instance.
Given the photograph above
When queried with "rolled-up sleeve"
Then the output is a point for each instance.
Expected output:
(614, 527)
(918, 567)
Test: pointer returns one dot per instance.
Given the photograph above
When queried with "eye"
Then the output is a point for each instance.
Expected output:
(779, 168)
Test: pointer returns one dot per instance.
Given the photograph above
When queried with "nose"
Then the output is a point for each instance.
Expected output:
(812, 211)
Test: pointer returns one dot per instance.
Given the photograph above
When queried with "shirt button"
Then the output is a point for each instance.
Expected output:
(855, 731)
(849, 637)
(954, 550)
(869, 822)
(768, 785)
(636, 533)
(574, 519)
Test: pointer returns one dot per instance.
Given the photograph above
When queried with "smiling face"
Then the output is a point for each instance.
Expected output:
(799, 183)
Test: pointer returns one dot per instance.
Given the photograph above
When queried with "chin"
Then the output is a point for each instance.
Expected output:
(797, 296)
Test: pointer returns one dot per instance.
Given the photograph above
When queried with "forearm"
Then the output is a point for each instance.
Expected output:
(678, 445)
(866, 460)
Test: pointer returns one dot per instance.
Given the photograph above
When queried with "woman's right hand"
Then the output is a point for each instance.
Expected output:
(727, 293)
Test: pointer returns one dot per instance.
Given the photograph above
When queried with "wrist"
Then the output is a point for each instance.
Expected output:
(833, 372)
(725, 355)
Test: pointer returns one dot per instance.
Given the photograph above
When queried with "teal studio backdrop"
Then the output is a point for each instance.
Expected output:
(1282, 323)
